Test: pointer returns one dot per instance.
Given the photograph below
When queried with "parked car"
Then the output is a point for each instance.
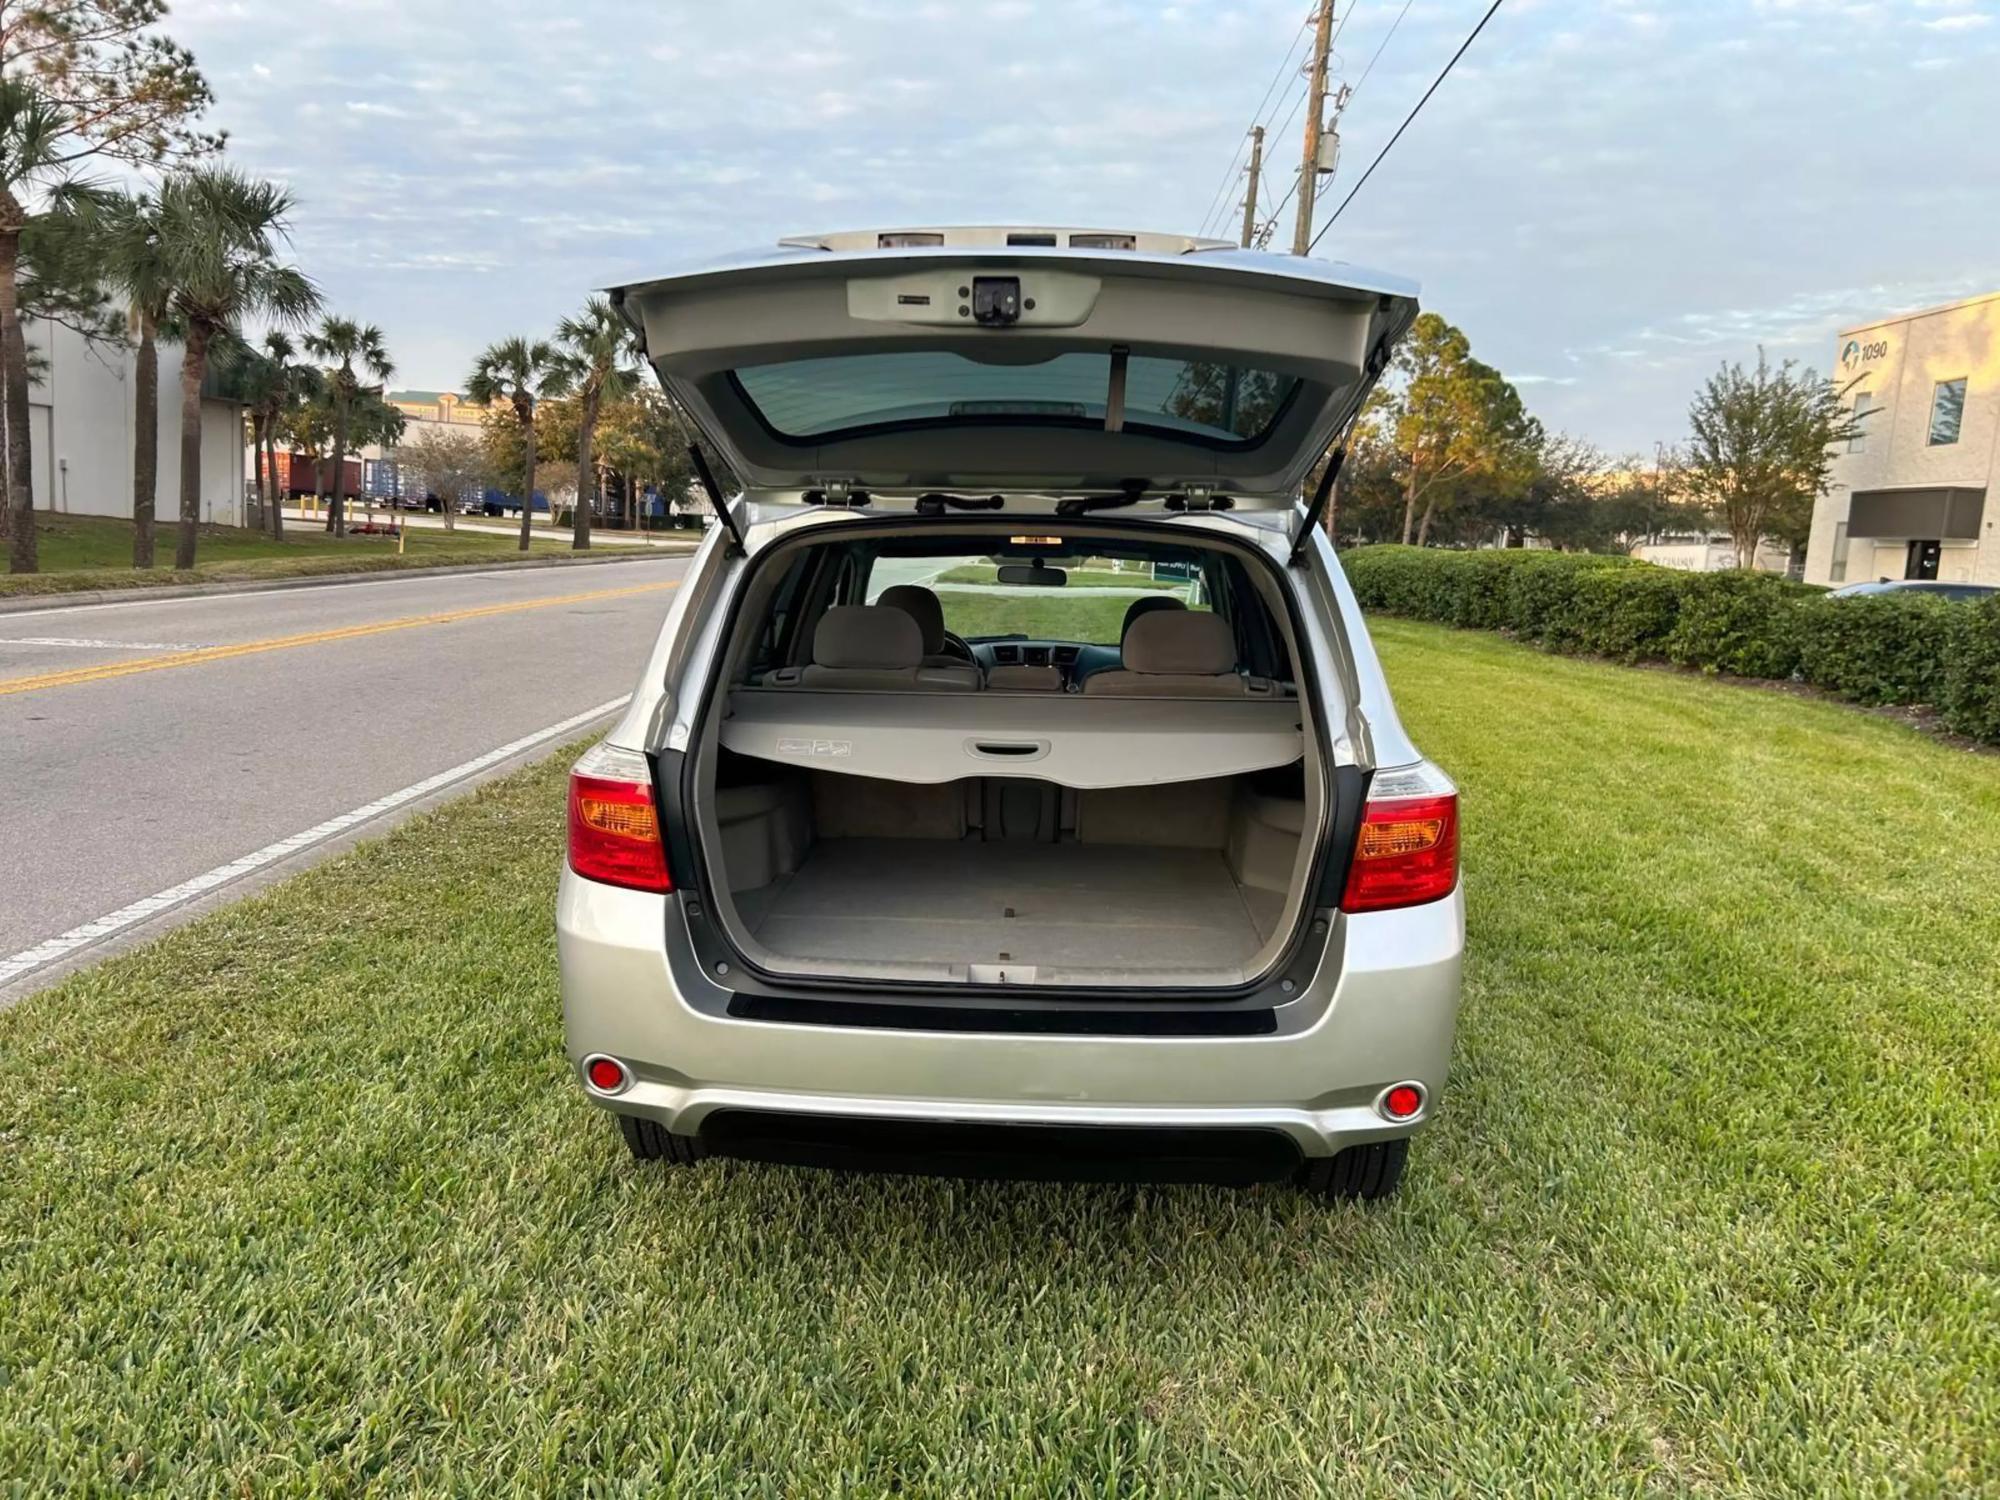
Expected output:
(1927, 588)
(497, 503)
(904, 852)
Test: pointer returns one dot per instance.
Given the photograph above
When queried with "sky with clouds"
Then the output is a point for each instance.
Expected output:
(1609, 196)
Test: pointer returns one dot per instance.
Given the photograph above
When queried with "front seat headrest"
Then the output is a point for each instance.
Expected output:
(868, 636)
(1146, 606)
(921, 605)
(1191, 643)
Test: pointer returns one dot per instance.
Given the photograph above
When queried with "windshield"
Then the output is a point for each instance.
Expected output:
(1088, 608)
(834, 397)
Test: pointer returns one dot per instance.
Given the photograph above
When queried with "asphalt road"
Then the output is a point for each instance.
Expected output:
(148, 743)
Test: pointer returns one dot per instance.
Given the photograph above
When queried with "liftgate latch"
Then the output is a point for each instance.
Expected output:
(844, 493)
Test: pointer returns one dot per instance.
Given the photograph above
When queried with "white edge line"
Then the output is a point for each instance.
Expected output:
(53, 949)
(83, 644)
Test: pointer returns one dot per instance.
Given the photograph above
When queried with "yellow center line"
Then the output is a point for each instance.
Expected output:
(310, 638)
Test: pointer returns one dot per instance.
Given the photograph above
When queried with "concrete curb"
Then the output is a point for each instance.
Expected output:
(29, 603)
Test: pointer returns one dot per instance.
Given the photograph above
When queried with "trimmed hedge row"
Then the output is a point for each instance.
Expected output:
(1882, 648)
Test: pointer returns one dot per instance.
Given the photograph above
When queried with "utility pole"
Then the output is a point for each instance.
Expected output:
(1256, 176)
(1315, 124)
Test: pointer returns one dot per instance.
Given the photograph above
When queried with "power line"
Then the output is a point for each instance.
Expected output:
(1272, 86)
(1222, 187)
(1229, 172)
(1472, 37)
(1384, 43)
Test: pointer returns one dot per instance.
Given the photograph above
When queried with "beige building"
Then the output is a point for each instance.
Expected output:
(1912, 495)
(446, 408)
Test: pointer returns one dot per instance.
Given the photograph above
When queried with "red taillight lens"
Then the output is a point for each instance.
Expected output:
(614, 834)
(1402, 1101)
(1405, 854)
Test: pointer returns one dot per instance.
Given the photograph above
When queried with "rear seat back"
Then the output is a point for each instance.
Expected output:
(1178, 653)
(875, 648)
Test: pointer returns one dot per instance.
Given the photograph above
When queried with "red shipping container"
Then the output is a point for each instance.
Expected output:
(296, 474)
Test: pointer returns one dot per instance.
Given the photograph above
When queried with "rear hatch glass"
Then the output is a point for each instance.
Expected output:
(1209, 401)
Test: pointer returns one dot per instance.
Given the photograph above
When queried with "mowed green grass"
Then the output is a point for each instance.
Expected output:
(1089, 615)
(303, 1199)
(94, 552)
(1076, 577)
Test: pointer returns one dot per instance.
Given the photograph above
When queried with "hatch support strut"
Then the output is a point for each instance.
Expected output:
(1378, 361)
(707, 477)
(1321, 492)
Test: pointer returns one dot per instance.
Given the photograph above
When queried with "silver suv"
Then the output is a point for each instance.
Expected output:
(1013, 784)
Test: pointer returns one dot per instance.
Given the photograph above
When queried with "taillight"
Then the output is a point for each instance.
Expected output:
(1406, 852)
(614, 833)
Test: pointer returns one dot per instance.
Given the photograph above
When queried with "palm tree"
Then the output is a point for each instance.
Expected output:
(273, 385)
(519, 372)
(135, 263)
(218, 235)
(346, 344)
(30, 159)
(601, 351)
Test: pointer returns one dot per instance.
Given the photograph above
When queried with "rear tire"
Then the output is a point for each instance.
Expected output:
(648, 1140)
(1359, 1174)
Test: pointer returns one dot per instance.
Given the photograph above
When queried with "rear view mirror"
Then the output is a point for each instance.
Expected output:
(1037, 574)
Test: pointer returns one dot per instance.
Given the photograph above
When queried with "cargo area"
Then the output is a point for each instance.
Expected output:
(1008, 880)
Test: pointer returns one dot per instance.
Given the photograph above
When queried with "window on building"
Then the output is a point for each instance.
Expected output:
(1947, 411)
(1838, 572)
(1864, 405)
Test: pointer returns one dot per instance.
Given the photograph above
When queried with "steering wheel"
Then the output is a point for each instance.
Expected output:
(956, 646)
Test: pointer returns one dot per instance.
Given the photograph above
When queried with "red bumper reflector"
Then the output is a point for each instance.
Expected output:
(606, 1075)
(1402, 1101)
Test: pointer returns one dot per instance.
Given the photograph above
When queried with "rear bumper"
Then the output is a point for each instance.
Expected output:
(1386, 1018)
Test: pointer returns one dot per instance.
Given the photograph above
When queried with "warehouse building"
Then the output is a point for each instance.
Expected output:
(1912, 494)
(80, 431)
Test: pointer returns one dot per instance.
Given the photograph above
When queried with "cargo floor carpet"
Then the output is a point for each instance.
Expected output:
(1056, 906)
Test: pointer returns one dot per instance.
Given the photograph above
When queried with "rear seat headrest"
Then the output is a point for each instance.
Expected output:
(1191, 643)
(869, 636)
(1139, 608)
(921, 605)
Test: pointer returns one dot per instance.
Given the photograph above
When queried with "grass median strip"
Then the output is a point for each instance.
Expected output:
(200, 655)
(303, 1198)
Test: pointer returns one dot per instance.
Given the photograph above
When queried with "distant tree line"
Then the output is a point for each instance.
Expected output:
(1445, 453)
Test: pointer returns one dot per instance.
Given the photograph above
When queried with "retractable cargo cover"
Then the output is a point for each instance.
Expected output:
(1075, 740)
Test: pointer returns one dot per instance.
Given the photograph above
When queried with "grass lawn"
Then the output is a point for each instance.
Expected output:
(1039, 614)
(1079, 578)
(303, 1199)
(95, 552)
